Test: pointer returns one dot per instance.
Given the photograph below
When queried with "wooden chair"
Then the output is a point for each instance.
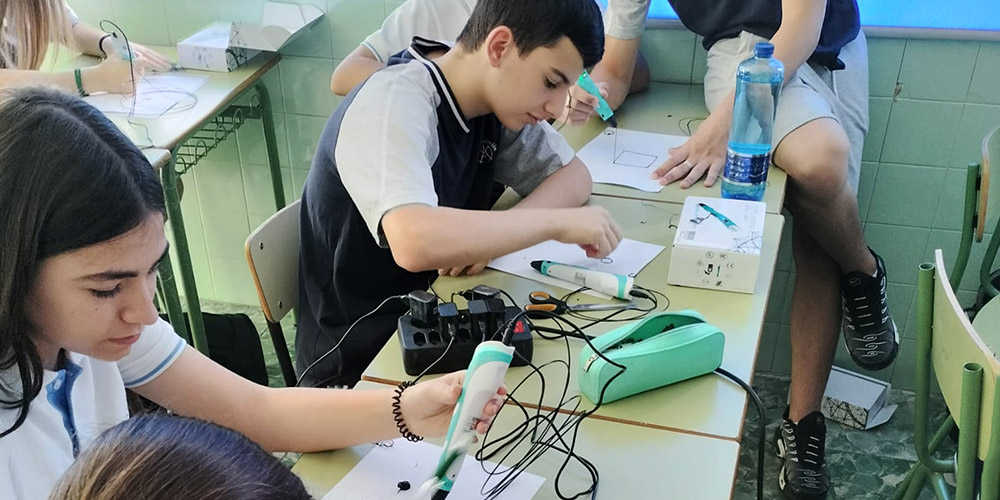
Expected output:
(967, 372)
(977, 190)
(273, 254)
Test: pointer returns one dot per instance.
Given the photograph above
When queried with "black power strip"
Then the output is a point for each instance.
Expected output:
(444, 340)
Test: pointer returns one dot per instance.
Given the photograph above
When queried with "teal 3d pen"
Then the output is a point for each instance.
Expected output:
(726, 221)
(603, 109)
(120, 47)
(482, 380)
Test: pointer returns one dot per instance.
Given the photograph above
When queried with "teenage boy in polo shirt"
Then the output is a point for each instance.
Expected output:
(402, 181)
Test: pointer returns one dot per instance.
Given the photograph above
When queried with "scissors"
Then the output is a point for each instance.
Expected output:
(542, 301)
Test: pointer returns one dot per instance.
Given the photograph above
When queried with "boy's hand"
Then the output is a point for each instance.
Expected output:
(703, 155)
(466, 270)
(592, 228)
(580, 104)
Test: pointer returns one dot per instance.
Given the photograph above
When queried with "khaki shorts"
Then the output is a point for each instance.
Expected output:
(814, 92)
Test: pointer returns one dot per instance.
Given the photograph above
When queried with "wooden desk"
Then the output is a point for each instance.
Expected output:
(666, 108)
(189, 136)
(987, 324)
(633, 462)
(708, 405)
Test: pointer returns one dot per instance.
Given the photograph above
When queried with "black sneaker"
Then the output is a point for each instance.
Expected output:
(870, 334)
(801, 446)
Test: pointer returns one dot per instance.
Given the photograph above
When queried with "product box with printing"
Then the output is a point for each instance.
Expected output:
(857, 400)
(224, 45)
(717, 245)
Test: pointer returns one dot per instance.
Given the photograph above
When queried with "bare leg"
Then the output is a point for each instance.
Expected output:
(827, 242)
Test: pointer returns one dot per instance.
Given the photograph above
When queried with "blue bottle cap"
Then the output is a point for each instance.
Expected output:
(763, 49)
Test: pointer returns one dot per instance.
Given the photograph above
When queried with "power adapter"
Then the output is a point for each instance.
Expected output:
(447, 343)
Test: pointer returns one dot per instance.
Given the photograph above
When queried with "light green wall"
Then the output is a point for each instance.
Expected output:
(911, 181)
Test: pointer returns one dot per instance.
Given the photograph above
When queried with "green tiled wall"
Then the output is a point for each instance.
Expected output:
(931, 103)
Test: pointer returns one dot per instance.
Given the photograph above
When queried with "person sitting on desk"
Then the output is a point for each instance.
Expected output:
(444, 20)
(819, 130)
(402, 181)
(28, 26)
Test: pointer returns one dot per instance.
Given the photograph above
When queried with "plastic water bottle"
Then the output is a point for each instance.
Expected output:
(758, 82)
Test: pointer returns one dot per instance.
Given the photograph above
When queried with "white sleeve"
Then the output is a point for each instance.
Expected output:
(157, 348)
(526, 158)
(439, 20)
(625, 19)
(387, 144)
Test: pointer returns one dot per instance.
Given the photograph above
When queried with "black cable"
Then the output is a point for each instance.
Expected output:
(541, 440)
(344, 336)
(762, 423)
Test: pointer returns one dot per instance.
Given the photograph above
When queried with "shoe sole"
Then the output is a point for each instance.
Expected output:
(883, 365)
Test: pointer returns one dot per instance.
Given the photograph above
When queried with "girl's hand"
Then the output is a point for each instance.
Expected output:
(114, 75)
(427, 406)
(154, 60)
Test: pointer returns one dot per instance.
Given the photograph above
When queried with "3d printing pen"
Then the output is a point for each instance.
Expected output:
(485, 375)
(726, 221)
(612, 284)
(120, 47)
(603, 109)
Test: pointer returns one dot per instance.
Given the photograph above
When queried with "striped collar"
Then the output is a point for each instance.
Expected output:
(418, 49)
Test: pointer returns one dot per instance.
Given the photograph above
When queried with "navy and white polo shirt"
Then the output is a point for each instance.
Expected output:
(76, 404)
(398, 139)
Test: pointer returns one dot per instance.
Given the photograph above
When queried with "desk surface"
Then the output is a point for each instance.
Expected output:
(172, 128)
(158, 158)
(666, 108)
(987, 324)
(707, 405)
(633, 462)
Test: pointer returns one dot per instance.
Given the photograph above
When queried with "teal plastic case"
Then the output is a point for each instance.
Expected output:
(656, 351)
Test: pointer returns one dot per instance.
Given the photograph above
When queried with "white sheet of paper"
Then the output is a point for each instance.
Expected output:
(156, 95)
(628, 259)
(375, 477)
(627, 157)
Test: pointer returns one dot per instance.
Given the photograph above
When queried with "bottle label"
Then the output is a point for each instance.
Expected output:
(746, 168)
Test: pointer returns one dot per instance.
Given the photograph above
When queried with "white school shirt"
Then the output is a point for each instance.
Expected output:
(444, 19)
(76, 404)
(439, 20)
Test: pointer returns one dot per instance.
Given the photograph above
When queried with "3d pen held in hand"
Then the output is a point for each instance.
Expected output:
(482, 380)
(120, 46)
(603, 109)
(615, 285)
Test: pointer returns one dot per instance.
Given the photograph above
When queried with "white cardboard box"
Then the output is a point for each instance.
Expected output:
(856, 400)
(224, 46)
(717, 245)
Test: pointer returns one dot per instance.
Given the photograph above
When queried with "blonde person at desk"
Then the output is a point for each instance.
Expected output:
(28, 27)
(443, 20)
(821, 121)
(83, 235)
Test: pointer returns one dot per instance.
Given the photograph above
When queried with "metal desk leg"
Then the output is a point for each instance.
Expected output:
(271, 141)
(169, 178)
(167, 285)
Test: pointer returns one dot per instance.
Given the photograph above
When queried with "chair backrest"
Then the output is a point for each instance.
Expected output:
(990, 152)
(955, 343)
(273, 254)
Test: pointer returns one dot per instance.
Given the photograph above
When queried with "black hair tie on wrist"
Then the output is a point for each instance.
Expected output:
(100, 44)
(397, 413)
